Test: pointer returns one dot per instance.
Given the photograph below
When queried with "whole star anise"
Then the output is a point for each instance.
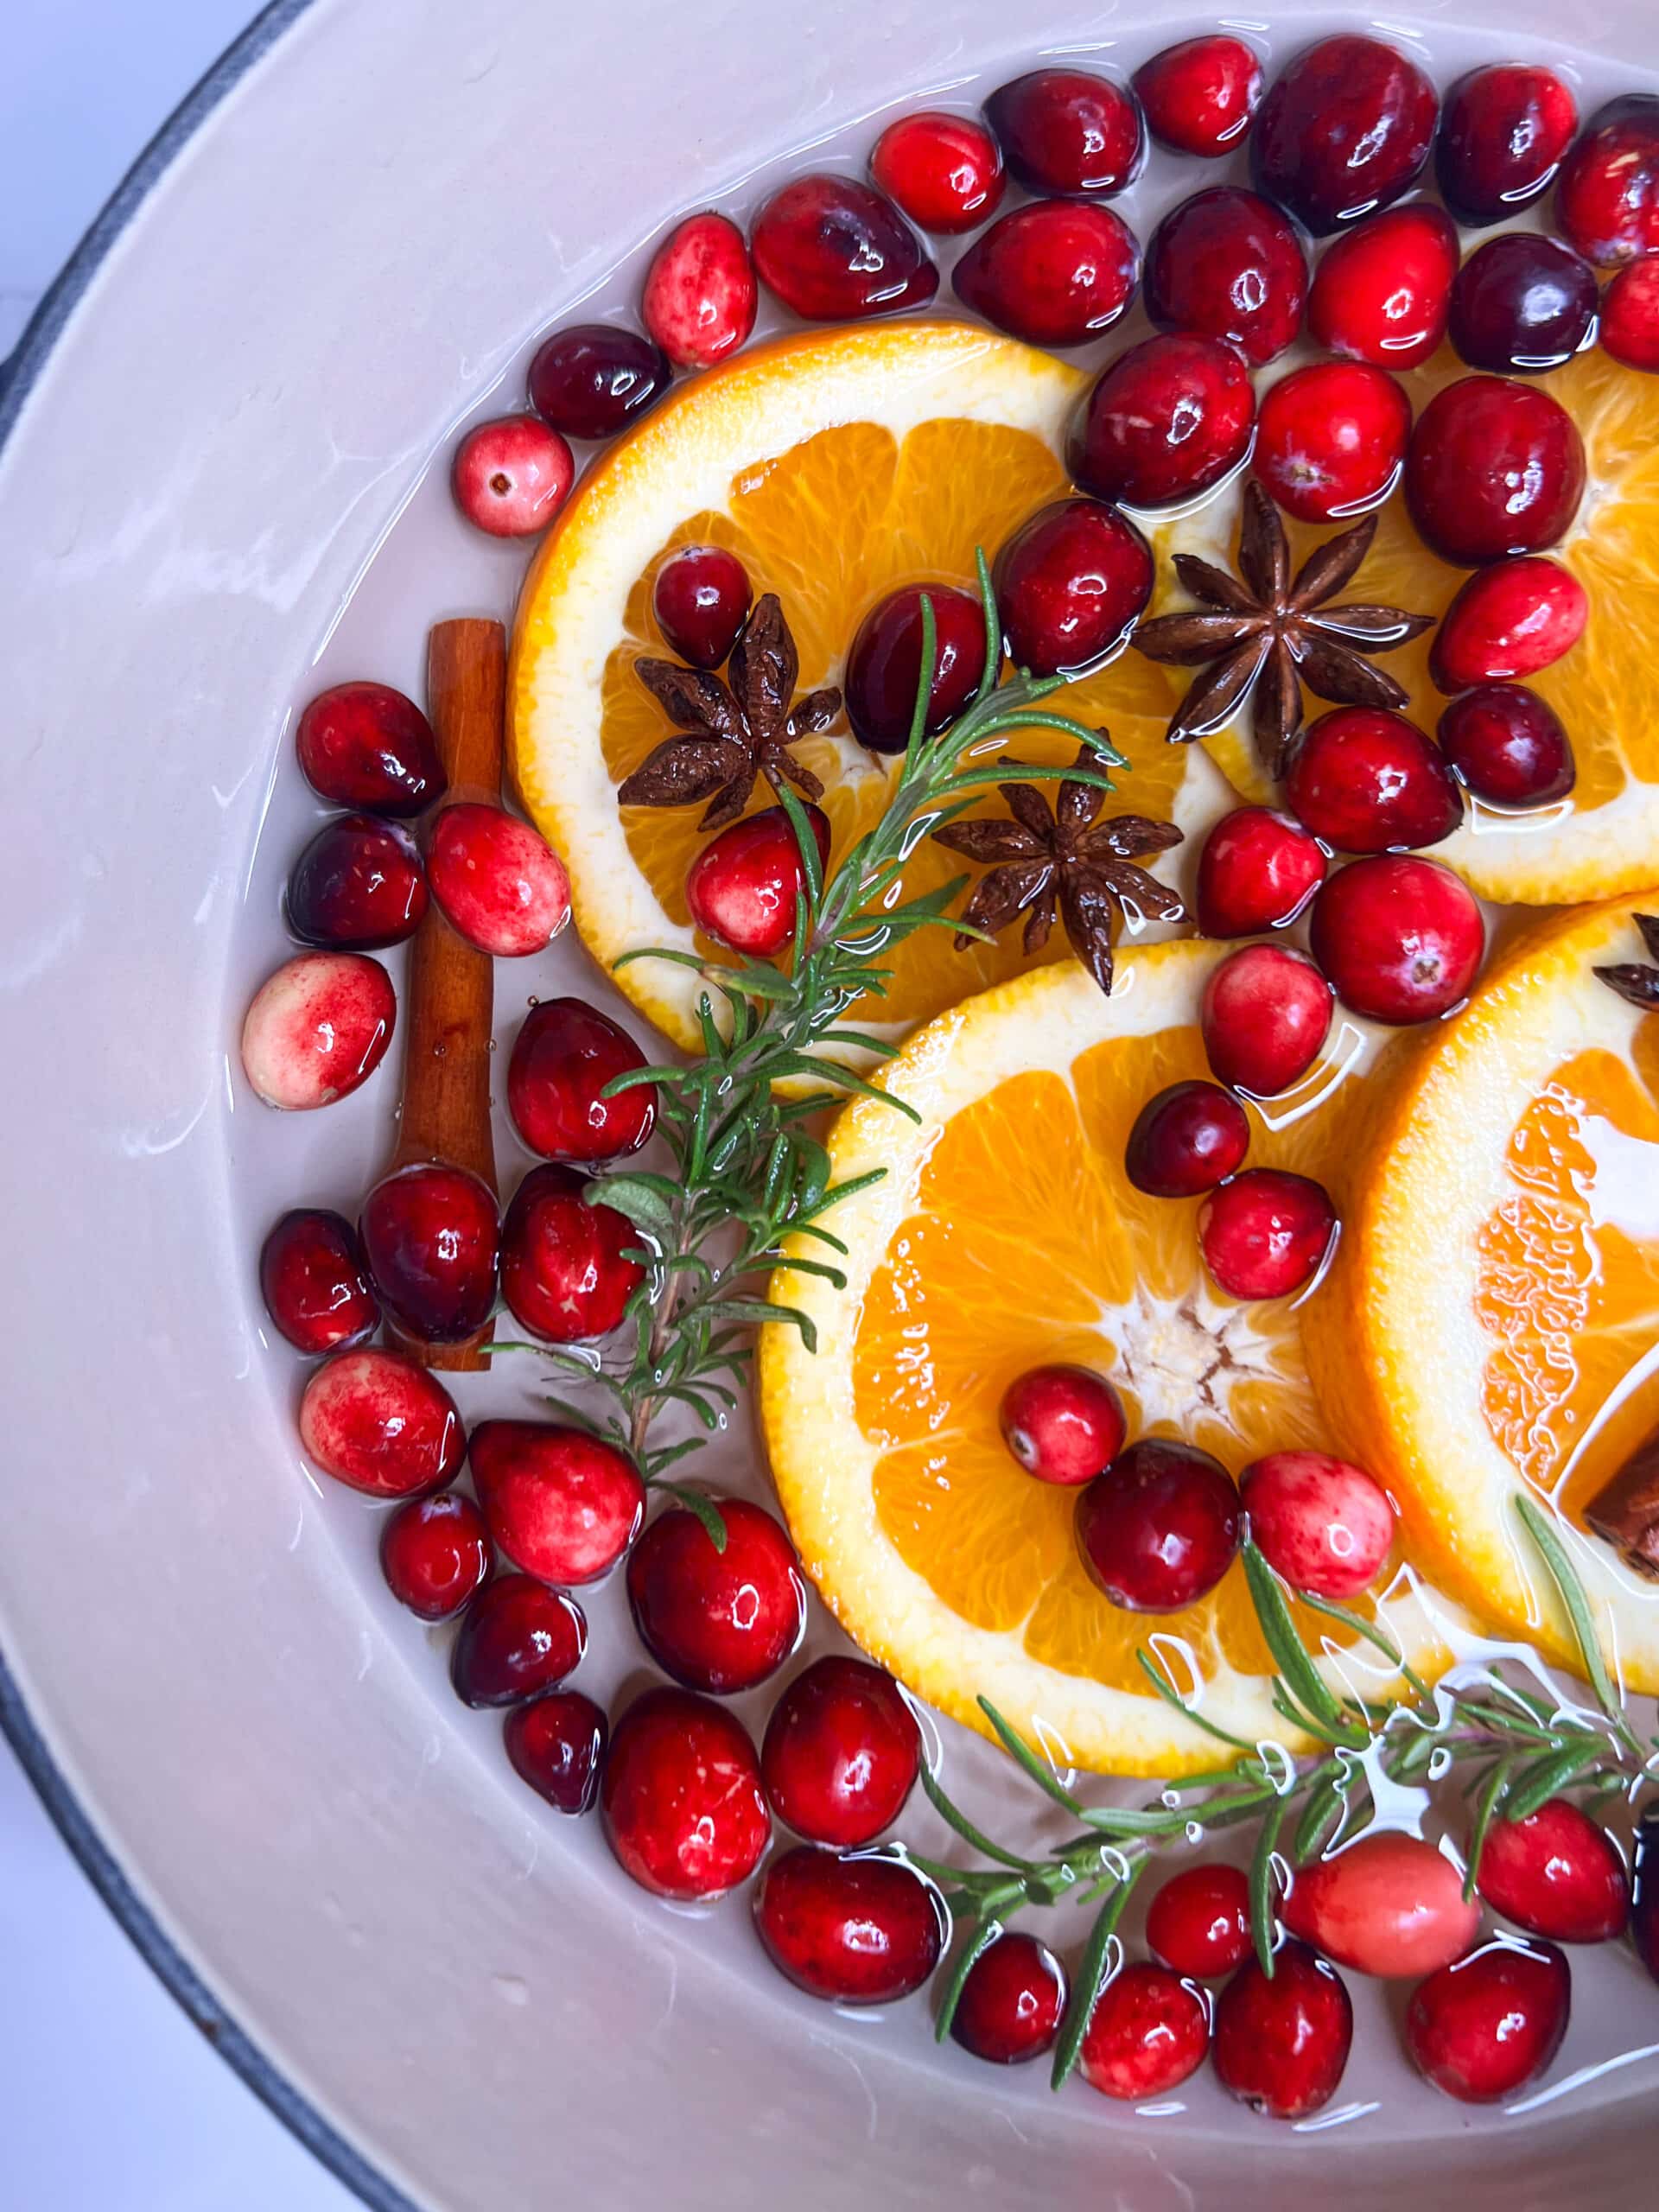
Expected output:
(1635, 980)
(1068, 858)
(740, 729)
(1262, 635)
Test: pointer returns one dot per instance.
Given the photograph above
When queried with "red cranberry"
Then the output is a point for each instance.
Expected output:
(518, 1638)
(318, 1028)
(719, 1621)
(1493, 467)
(593, 380)
(1199, 96)
(1010, 2005)
(563, 1058)
(1149, 2030)
(1264, 1016)
(564, 1272)
(510, 477)
(1283, 2041)
(1159, 1529)
(1070, 585)
(851, 1930)
(432, 1237)
(1063, 1424)
(833, 250)
(700, 292)
(681, 1799)
(1198, 1923)
(1389, 1904)
(1400, 939)
(1346, 128)
(498, 882)
(1052, 273)
(1068, 131)
(1383, 291)
(700, 600)
(556, 1744)
(1266, 1234)
(436, 1554)
(1509, 621)
(1608, 198)
(1185, 1140)
(1644, 1900)
(1331, 440)
(1258, 871)
(1324, 1525)
(841, 1752)
(562, 1505)
(1522, 304)
(944, 171)
(1487, 2024)
(1630, 315)
(364, 744)
(1225, 264)
(1509, 745)
(1166, 420)
(884, 668)
(357, 886)
(315, 1286)
(1556, 1873)
(1365, 781)
(742, 887)
(1502, 135)
(376, 1422)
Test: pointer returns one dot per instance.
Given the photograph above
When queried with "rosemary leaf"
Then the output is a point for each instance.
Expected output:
(1301, 1678)
(1092, 1973)
(1041, 1772)
(1493, 1785)
(962, 1966)
(1564, 1575)
(1263, 1897)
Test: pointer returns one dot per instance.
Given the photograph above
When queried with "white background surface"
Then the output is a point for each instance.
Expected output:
(110, 2102)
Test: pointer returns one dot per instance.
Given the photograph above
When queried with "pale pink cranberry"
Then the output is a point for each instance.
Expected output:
(1148, 2032)
(511, 476)
(1607, 201)
(436, 1554)
(562, 1505)
(1282, 2039)
(364, 744)
(375, 1421)
(1509, 621)
(1264, 1016)
(1324, 1525)
(1389, 1904)
(841, 1752)
(1331, 439)
(1630, 315)
(1258, 871)
(681, 1799)
(1383, 291)
(742, 888)
(1486, 2026)
(1504, 132)
(318, 1028)
(700, 292)
(316, 1281)
(1400, 938)
(1199, 96)
(1055, 272)
(1063, 1424)
(1198, 1923)
(1266, 1234)
(500, 883)
(944, 171)
(1556, 1873)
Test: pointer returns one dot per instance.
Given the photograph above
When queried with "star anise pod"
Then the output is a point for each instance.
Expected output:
(1635, 980)
(1262, 635)
(738, 729)
(1068, 858)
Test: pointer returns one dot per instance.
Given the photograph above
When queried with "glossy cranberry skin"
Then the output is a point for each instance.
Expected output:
(681, 1797)
(700, 294)
(717, 1621)
(854, 1930)
(1266, 1234)
(833, 250)
(1383, 291)
(1283, 2041)
(1494, 467)
(1630, 315)
(563, 1274)
(1198, 1923)
(1503, 133)
(1166, 420)
(315, 1284)
(1509, 621)
(1389, 1904)
(700, 600)
(357, 886)
(593, 379)
(317, 1029)
(1053, 273)
(1159, 1529)
(432, 1237)
(1070, 585)
(1149, 2030)
(1400, 939)
(1198, 97)
(742, 887)
(1644, 1900)
(510, 477)
(1522, 304)
(1488, 2025)
(1509, 745)
(884, 667)
(1010, 2005)
(376, 1422)
(556, 1744)
(1264, 1014)
(944, 171)
(518, 1639)
(1258, 871)
(1323, 1523)
(1225, 264)
(841, 1752)
(1063, 1424)
(1185, 1140)
(1556, 1873)
(1345, 128)
(1607, 201)
(562, 1058)
(1068, 131)
(498, 883)
(367, 747)
(562, 1505)
(436, 1554)
(1365, 780)
(1331, 440)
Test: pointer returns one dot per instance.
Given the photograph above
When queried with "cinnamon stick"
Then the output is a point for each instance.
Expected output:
(1625, 1509)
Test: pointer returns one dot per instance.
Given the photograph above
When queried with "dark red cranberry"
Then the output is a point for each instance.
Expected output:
(1509, 745)
(681, 1799)
(742, 887)
(563, 1058)
(1389, 1904)
(317, 1029)
(1185, 1140)
(357, 886)
(518, 1638)
(1644, 1899)
(431, 1236)
(884, 667)
(1199, 96)
(1198, 1923)
(436, 1554)
(1522, 304)
(562, 1505)
(1225, 264)
(851, 1930)
(700, 294)
(833, 250)
(1063, 1424)
(1504, 132)
(564, 1272)
(1487, 2024)
(375, 1421)
(510, 476)
(1493, 467)
(1052, 273)
(1630, 315)
(1010, 2005)
(498, 882)
(1345, 128)
(1264, 1015)
(1511, 619)
(719, 1621)
(1282, 2041)
(1383, 291)
(1331, 440)
(593, 379)
(1366, 780)
(1149, 2030)
(367, 746)
(1607, 201)
(944, 171)
(556, 1744)
(1258, 871)
(1322, 1523)
(1556, 1873)
(1166, 420)
(1159, 1529)
(700, 600)
(1070, 585)
(841, 1752)
(1266, 1234)
(316, 1285)
(1068, 131)
(1400, 939)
